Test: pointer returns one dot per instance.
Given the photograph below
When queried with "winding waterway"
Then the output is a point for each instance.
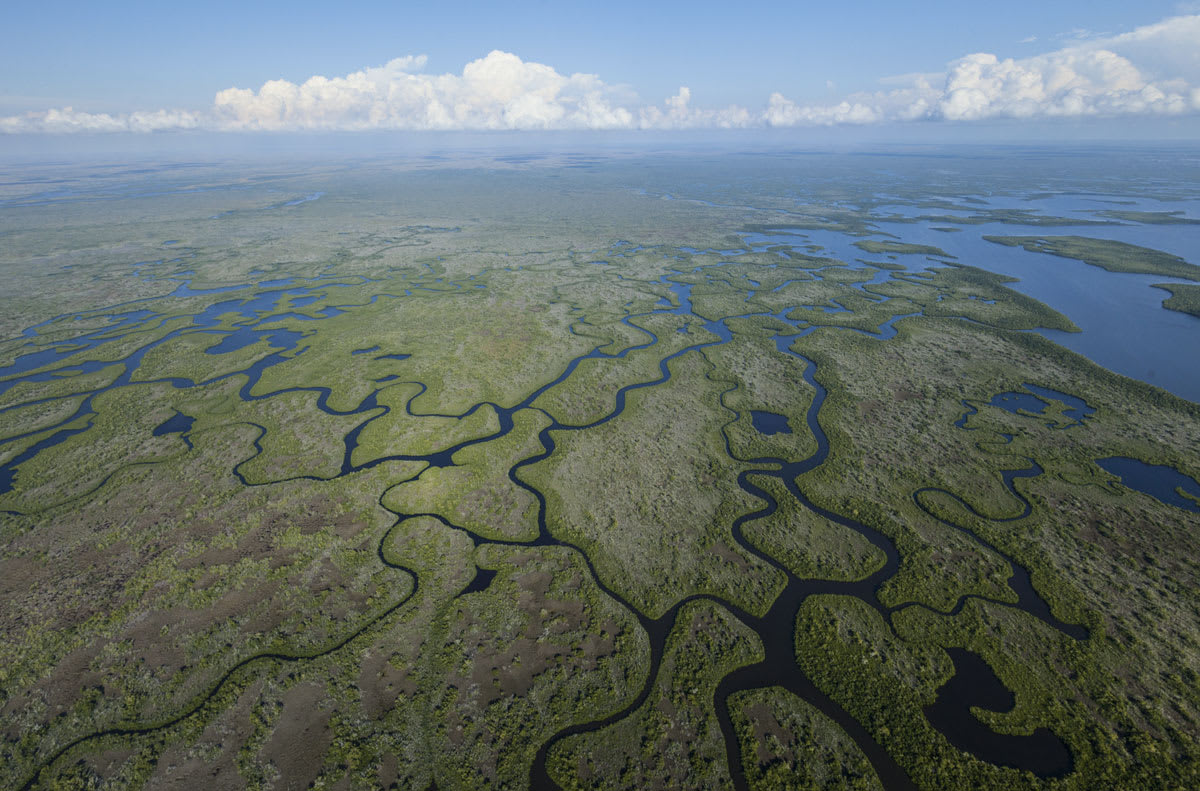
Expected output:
(775, 629)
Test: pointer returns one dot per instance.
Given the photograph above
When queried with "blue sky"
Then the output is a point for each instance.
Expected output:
(117, 58)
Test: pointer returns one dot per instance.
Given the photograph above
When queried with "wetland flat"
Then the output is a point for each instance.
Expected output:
(699, 469)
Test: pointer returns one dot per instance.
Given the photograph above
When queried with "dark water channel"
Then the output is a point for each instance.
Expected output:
(254, 311)
(974, 684)
(775, 629)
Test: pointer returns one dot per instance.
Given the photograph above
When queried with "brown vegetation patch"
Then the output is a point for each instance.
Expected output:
(728, 555)
(765, 725)
(389, 771)
(59, 690)
(302, 737)
(108, 762)
(509, 668)
(380, 682)
(210, 762)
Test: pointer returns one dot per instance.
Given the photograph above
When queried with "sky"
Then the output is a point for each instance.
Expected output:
(301, 66)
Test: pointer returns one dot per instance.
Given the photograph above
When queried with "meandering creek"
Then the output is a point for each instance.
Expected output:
(973, 684)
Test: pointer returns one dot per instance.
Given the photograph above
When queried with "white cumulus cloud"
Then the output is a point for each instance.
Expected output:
(1153, 70)
(1071, 82)
(68, 119)
(499, 91)
(677, 113)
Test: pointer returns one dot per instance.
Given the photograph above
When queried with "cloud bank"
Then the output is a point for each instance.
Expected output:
(1154, 70)
(499, 91)
(1151, 71)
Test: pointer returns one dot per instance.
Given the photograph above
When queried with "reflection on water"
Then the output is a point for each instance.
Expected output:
(1124, 326)
(769, 423)
(1166, 484)
(178, 423)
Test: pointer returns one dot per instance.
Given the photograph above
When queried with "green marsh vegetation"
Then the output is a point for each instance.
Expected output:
(1106, 254)
(900, 248)
(660, 469)
(1064, 540)
(787, 744)
(427, 496)
(672, 739)
(1184, 298)
(1149, 217)
(476, 494)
